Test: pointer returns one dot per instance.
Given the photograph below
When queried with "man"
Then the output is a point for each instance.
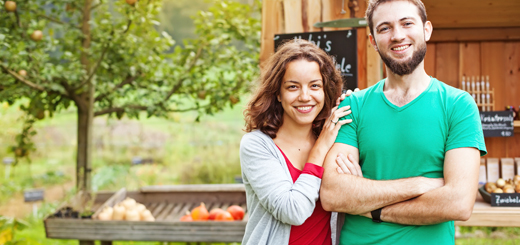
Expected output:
(418, 141)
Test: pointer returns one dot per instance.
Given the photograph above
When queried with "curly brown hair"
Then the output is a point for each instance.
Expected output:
(265, 113)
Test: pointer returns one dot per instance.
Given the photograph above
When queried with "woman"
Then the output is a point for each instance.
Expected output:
(292, 122)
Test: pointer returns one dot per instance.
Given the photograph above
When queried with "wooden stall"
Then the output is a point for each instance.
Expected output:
(167, 204)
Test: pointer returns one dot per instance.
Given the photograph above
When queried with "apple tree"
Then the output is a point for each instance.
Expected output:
(106, 58)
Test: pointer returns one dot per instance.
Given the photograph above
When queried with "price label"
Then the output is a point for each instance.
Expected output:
(497, 123)
(33, 195)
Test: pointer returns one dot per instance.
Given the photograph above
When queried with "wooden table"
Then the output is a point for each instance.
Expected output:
(485, 215)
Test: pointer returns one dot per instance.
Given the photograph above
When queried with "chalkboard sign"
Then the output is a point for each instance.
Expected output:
(33, 195)
(342, 45)
(497, 123)
(505, 200)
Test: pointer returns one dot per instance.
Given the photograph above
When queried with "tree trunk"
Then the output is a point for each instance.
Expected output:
(84, 154)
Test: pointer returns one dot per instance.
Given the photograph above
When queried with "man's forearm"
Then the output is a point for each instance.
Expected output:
(436, 206)
(356, 195)
(359, 195)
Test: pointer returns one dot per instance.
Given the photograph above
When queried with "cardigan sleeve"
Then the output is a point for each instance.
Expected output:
(263, 170)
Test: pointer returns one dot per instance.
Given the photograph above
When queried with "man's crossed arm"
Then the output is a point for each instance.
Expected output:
(411, 201)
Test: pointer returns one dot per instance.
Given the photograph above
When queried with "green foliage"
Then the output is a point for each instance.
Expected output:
(116, 53)
(9, 227)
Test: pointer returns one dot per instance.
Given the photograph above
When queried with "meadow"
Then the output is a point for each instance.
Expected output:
(182, 151)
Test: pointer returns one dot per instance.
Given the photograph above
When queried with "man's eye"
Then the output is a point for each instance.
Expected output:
(383, 29)
(408, 23)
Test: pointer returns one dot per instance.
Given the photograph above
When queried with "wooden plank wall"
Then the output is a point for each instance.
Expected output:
(500, 60)
(293, 16)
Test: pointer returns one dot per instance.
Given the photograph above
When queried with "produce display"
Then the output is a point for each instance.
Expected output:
(127, 209)
(200, 213)
(504, 186)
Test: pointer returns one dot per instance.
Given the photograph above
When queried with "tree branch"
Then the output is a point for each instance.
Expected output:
(128, 26)
(95, 68)
(179, 83)
(142, 108)
(56, 20)
(128, 80)
(95, 6)
(23, 80)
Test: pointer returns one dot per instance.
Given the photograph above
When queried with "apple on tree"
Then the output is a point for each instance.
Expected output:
(37, 35)
(10, 6)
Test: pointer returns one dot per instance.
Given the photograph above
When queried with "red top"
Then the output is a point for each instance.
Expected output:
(316, 229)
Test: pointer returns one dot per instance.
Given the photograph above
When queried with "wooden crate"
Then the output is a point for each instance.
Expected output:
(167, 204)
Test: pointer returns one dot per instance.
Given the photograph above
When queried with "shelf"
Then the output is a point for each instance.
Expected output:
(516, 125)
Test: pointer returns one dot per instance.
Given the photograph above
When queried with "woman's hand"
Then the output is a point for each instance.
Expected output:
(347, 165)
(345, 94)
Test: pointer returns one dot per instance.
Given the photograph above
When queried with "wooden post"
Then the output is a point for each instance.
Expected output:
(83, 242)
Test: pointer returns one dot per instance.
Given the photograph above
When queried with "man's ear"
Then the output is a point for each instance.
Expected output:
(428, 29)
(373, 42)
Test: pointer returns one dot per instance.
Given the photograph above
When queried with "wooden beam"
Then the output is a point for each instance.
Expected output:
(293, 16)
(475, 34)
(473, 13)
(272, 23)
(311, 15)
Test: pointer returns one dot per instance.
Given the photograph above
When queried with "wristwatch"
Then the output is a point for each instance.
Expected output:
(376, 215)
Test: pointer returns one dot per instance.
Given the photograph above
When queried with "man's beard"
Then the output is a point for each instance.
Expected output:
(405, 67)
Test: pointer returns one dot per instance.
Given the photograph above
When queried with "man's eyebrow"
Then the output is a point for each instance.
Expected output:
(387, 22)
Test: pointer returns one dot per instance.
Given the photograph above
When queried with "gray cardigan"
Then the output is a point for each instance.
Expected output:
(274, 202)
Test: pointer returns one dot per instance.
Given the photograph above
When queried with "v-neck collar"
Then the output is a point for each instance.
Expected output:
(397, 108)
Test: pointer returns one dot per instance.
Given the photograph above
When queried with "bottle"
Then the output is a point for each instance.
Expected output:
(487, 84)
(511, 108)
(484, 102)
(488, 102)
(472, 84)
(482, 84)
(463, 83)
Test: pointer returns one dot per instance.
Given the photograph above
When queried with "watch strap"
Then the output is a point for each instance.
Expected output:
(376, 215)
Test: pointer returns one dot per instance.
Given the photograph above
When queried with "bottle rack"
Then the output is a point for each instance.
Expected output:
(483, 95)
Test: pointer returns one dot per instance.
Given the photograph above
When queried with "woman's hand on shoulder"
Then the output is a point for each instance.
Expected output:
(345, 94)
(347, 165)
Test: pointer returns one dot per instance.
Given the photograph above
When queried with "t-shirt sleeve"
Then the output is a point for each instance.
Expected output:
(348, 133)
(465, 128)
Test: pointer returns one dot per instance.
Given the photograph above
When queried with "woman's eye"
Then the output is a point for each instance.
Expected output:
(292, 87)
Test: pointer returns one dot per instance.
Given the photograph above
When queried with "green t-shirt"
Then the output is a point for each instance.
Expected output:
(400, 142)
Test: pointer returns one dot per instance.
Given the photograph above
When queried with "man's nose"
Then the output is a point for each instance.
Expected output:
(397, 34)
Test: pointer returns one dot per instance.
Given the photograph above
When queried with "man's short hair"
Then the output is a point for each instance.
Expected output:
(373, 4)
